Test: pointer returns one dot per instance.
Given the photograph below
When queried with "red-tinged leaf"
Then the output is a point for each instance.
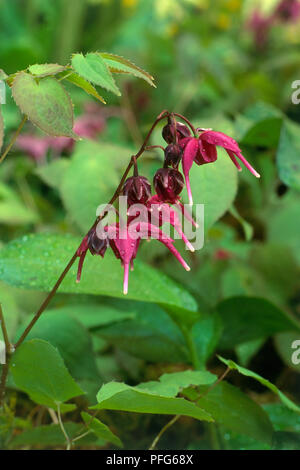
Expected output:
(46, 104)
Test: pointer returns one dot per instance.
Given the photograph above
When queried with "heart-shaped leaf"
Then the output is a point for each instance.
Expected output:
(46, 104)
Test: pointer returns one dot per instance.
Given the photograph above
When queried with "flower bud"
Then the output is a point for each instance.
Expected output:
(97, 246)
(168, 184)
(137, 189)
(168, 132)
(173, 154)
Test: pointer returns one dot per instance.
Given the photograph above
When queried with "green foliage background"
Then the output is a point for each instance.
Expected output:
(155, 353)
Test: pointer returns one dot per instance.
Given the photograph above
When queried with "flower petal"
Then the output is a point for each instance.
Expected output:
(218, 138)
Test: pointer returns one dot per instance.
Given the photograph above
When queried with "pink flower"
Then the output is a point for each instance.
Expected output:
(203, 150)
(288, 11)
(35, 147)
(124, 243)
(160, 213)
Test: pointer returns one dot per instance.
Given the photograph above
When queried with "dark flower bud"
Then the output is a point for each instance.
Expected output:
(137, 189)
(169, 135)
(173, 154)
(168, 184)
(96, 245)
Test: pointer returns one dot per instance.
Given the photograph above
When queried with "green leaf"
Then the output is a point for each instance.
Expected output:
(248, 373)
(71, 339)
(100, 429)
(54, 172)
(28, 262)
(88, 170)
(3, 75)
(46, 104)
(247, 228)
(38, 369)
(282, 418)
(246, 351)
(1, 129)
(151, 335)
(290, 355)
(261, 317)
(233, 409)
(10, 310)
(206, 334)
(204, 181)
(12, 209)
(95, 316)
(286, 441)
(288, 162)
(154, 397)
(283, 223)
(43, 70)
(51, 435)
(118, 64)
(84, 85)
(94, 69)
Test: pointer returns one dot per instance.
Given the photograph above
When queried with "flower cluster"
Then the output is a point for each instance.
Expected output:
(183, 147)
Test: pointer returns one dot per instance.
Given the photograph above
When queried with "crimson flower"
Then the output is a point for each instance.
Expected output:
(203, 150)
(125, 242)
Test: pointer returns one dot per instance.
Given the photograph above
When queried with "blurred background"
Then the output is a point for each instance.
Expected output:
(227, 64)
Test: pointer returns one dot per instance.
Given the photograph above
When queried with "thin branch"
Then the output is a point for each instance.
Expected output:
(49, 297)
(61, 424)
(13, 140)
(163, 430)
(4, 331)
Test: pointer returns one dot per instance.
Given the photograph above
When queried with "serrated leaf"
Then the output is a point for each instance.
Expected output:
(45, 103)
(118, 64)
(36, 261)
(100, 429)
(93, 68)
(38, 369)
(248, 373)
(84, 84)
(44, 70)
(155, 400)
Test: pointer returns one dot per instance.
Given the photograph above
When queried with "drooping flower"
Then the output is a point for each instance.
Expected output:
(288, 11)
(202, 150)
(125, 242)
(137, 189)
(173, 154)
(160, 213)
(168, 184)
(96, 246)
(175, 131)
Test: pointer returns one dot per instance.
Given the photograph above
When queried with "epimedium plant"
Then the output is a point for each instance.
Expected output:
(39, 362)
(196, 393)
(41, 97)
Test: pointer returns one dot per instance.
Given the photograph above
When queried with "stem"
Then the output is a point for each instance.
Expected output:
(187, 121)
(13, 139)
(213, 436)
(163, 430)
(5, 366)
(69, 444)
(192, 348)
(49, 297)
